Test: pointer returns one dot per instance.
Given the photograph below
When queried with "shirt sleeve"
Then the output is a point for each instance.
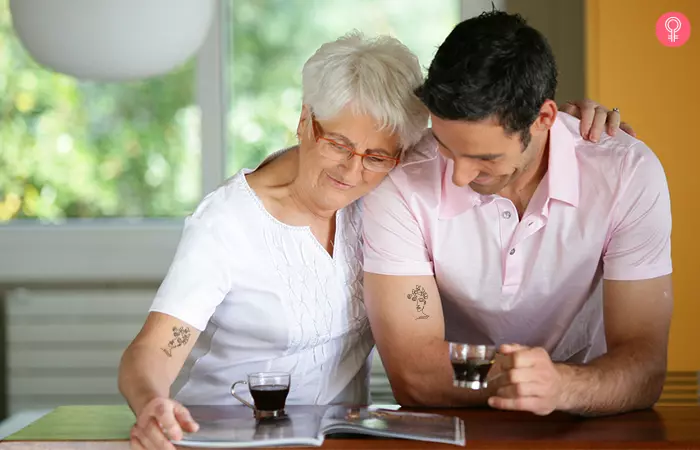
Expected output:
(393, 240)
(639, 246)
(199, 277)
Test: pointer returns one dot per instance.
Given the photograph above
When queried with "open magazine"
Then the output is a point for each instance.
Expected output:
(235, 426)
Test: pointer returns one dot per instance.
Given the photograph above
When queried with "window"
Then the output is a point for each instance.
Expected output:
(271, 40)
(95, 178)
(73, 149)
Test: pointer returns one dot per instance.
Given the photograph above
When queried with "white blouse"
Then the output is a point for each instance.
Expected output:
(268, 297)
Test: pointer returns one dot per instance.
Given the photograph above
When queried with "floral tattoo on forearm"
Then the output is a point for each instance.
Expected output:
(419, 296)
(181, 336)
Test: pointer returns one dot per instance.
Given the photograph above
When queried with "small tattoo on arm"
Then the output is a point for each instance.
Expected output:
(181, 336)
(419, 296)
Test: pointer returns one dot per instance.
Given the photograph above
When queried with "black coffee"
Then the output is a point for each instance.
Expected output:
(270, 397)
(472, 369)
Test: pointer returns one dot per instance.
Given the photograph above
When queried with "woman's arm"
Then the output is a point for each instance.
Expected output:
(147, 370)
(153, 360)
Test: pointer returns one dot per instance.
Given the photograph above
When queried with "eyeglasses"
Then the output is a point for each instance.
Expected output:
(337, 151)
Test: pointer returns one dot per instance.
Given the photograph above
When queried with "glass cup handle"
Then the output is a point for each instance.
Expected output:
(239, 398)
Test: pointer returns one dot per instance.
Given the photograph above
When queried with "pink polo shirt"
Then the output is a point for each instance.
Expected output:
(602, 211)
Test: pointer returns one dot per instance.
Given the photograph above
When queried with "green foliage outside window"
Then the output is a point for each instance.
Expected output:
(76, 149)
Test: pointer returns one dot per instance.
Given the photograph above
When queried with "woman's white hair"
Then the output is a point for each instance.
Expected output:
(373, 76)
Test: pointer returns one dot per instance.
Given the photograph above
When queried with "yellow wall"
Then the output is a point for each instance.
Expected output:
(658, 91)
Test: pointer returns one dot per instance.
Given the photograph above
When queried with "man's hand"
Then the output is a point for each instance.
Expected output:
(160, 420)
(526, 379)
(596, 118)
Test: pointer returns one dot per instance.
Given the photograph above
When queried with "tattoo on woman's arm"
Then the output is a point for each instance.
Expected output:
(181, 335)
(419, 296)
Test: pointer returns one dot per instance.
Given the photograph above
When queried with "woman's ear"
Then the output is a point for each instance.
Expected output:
(303, 120)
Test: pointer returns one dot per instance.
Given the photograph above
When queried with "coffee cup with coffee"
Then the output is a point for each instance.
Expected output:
(269, 391)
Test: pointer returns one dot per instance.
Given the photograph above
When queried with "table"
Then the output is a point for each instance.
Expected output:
(661, 427)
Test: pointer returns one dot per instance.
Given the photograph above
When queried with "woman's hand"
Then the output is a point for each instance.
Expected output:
(596, 118)
(160, 420)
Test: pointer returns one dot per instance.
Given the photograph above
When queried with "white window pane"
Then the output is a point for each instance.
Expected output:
(71, 149)
(271, 40)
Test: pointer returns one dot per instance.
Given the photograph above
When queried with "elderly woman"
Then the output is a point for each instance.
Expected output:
(268, 273)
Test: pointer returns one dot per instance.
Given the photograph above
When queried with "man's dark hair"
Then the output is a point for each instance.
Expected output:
(492, 65)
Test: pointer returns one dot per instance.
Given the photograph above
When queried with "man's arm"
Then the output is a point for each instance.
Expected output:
(408, 326)
(631, 374)
(637, 299)
(403, 303)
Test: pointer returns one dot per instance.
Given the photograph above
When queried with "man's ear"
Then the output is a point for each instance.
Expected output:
(545, 118)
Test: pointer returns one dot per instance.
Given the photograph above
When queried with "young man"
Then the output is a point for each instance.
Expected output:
(506, 227)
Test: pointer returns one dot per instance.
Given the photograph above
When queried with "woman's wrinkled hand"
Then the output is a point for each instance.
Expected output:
(596, 118)
(159, 422)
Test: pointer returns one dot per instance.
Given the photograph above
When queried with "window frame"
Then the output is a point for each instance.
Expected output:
(138, 250)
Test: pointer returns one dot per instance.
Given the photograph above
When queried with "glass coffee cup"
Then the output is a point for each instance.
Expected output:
(471, 364)
(269, 391)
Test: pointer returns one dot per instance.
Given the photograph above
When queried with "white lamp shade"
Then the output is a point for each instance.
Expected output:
(112, 40)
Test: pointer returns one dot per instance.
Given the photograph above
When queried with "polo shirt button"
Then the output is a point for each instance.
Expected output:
(512, 251)
(506, 214)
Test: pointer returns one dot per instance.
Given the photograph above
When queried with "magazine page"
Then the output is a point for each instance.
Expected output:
(235, 427)
(376, 421)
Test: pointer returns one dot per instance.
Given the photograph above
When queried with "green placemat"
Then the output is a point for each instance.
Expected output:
(79, 423)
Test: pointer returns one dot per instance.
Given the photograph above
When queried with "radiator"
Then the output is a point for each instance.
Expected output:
(681, 389)
(64, 346)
